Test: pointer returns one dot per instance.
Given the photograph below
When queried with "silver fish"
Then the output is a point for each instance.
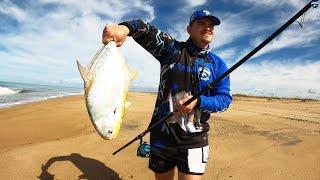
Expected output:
(106, 85)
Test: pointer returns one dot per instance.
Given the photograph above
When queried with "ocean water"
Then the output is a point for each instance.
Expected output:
(12, 93)
(21, 93)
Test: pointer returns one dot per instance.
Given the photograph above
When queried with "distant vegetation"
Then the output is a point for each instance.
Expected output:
(272, 97)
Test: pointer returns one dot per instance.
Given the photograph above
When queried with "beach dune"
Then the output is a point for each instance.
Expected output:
(256, 138)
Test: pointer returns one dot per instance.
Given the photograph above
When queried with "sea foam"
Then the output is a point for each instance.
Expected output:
(6, 91)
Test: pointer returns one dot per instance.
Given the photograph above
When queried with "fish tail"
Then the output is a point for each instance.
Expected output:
(83, 71)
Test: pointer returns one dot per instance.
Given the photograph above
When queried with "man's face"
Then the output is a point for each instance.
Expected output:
(201, 32)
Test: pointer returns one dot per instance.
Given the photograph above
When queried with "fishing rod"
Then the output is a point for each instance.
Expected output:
(313, 3)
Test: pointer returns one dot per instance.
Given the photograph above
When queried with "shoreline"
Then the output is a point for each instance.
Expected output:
(237, 95)
(39, 100)
(274, 97)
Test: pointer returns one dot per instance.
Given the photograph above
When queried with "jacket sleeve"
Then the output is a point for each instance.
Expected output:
(219, 98)
(160, 44)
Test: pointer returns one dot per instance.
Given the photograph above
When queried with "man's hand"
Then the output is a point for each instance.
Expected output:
(182, 109)
(116, 33)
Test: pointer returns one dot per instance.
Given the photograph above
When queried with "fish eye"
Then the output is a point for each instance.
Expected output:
(109, 132)
(115, 111)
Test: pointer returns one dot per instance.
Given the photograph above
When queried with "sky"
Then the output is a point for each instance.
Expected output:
(40, 41)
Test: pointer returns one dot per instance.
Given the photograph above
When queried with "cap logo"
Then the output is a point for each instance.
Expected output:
(207, 13)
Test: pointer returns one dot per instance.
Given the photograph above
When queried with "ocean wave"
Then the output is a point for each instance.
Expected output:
(7, 91)
(24, 91)
(10, 104)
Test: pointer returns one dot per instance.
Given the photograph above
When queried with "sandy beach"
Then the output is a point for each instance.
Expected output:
(256, 138)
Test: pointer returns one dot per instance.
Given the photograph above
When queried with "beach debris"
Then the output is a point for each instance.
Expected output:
(106, 83)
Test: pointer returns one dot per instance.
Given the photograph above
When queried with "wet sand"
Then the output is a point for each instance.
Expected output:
(256, 138)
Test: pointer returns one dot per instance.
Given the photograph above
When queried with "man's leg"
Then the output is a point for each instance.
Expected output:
(165, 176)
(183, 176)
(162, 165)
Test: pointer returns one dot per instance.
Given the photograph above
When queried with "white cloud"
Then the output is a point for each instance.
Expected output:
(228, 54)
(144, 6)
(228, 31)
(190, 7)
(272, 3)
(278, 79)
(46, 46)
(112, 9)
(193, 3)
(51, 41)
(10, 9)
(232, 27)
(293, 36)
(139, 59)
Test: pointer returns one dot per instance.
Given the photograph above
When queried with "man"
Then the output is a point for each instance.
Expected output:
(186, 68)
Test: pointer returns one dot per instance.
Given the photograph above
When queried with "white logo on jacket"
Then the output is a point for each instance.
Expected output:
(205, 73)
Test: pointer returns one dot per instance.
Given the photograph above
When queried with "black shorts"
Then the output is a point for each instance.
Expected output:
(188, 161)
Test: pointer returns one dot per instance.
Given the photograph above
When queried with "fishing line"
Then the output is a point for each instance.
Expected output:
(301, 22)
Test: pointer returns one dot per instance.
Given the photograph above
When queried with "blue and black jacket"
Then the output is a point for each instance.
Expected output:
(184, 67)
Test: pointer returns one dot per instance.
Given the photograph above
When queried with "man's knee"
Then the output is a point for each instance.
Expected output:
(183, 176)
(165, 176)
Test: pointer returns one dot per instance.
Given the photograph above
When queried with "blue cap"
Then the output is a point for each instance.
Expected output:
(202, 14)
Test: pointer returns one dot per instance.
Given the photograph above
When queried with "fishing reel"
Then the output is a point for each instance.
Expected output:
(143, 149)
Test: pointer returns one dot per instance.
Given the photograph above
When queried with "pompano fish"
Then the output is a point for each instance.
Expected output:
(106, 84)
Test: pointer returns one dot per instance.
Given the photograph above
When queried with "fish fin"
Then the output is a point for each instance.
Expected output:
(83, 72)
(133, 74)
(127, 104)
